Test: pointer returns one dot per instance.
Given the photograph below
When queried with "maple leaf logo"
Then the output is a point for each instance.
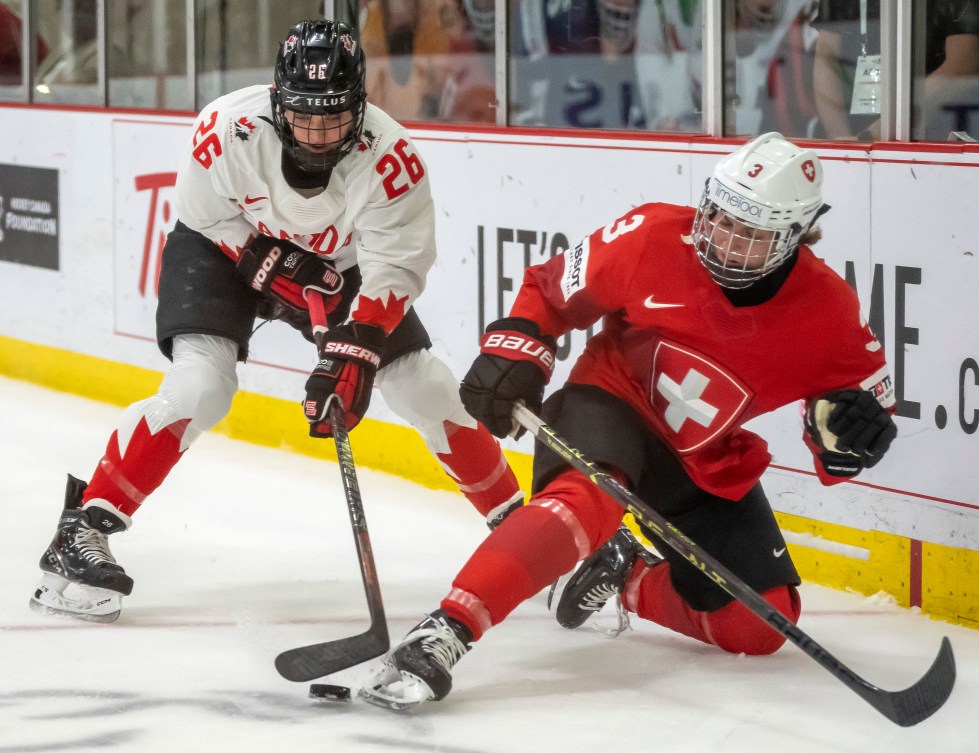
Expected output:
(386, 315)
(368, 141)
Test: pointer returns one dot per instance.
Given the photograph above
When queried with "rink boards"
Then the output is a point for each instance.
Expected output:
(86, 199)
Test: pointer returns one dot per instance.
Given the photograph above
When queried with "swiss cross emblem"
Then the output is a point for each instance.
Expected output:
(694, 400)
(809, 170)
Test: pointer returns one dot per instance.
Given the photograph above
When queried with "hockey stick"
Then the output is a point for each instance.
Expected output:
(903, 707)
(320, 659)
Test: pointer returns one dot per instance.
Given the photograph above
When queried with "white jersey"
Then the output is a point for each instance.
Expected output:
(669, 63)
(376, 213)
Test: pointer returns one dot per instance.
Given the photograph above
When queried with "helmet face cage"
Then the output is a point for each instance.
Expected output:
(755, 209)
(617, 20)
(319, 76)
(735, 252)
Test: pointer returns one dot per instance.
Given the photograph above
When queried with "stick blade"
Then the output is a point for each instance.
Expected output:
(915, 704)
(320, 659)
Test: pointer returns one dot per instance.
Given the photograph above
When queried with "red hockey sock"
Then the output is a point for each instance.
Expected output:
(476, 463)
(734, 628)
(528, 551)
(533, 547)
(126, 478)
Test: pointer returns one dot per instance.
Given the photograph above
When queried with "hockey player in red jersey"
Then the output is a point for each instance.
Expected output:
(712, 316)
(291, 197)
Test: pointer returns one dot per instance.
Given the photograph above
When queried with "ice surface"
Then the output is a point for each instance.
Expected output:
(247, 551)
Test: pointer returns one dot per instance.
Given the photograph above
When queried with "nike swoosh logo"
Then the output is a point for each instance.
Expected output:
(778, 552)
(250, 200)
(651, 304)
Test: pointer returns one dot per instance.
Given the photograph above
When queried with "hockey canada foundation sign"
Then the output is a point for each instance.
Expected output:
(29, 216)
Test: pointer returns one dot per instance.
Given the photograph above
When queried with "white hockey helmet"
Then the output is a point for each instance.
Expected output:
(760, 201)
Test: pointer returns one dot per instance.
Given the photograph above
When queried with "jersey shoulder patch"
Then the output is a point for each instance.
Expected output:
(575, 268)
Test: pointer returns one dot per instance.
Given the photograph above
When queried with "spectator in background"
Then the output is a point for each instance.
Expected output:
(11, 44)
(573, 66)
(617, 26)
(950, 57)
(406, 42)
(469, 93)
(772, 42)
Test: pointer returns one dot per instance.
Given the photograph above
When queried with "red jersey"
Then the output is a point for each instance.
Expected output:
(692, 364)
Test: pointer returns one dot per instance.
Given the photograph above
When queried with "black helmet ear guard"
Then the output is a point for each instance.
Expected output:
(319, 71)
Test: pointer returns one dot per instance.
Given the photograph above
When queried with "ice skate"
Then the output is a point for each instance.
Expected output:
(600, 578)
(418, 668)
(498, 514)
(81, 578)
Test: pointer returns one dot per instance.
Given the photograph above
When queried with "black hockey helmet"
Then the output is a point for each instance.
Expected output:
(319, 71)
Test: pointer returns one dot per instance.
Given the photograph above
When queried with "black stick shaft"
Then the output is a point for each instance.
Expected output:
(905, 707)
(320, 659)
(355, 507)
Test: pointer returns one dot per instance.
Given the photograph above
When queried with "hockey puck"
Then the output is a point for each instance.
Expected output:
(329, 692)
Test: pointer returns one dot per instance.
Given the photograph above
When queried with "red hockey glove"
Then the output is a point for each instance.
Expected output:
(349, 359)
(283, 271)
(850, 430)
(515, 363)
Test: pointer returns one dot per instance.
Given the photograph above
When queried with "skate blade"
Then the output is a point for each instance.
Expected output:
(62, 598)
(398, 691)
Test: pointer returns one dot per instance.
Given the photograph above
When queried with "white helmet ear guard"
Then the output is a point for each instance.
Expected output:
(764, 197)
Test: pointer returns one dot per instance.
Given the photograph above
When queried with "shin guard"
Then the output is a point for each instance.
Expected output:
(476, 463)
(533, 547)
(734, 628)
(127, 475)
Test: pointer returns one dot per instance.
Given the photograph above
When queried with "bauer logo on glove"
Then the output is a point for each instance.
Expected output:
(515, 345)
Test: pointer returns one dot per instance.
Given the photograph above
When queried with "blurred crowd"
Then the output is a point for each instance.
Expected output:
(805, 68)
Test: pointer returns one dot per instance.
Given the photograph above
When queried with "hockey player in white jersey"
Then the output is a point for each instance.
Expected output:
(292, 197)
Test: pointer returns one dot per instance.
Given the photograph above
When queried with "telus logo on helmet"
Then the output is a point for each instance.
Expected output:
(295, 101)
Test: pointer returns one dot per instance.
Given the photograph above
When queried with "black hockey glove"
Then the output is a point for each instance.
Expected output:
(850, 430)
(349, 359)
(515, 363)
(286, 273)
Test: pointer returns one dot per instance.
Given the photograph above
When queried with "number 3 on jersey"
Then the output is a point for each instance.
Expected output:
(621, 226)
(400, 172)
